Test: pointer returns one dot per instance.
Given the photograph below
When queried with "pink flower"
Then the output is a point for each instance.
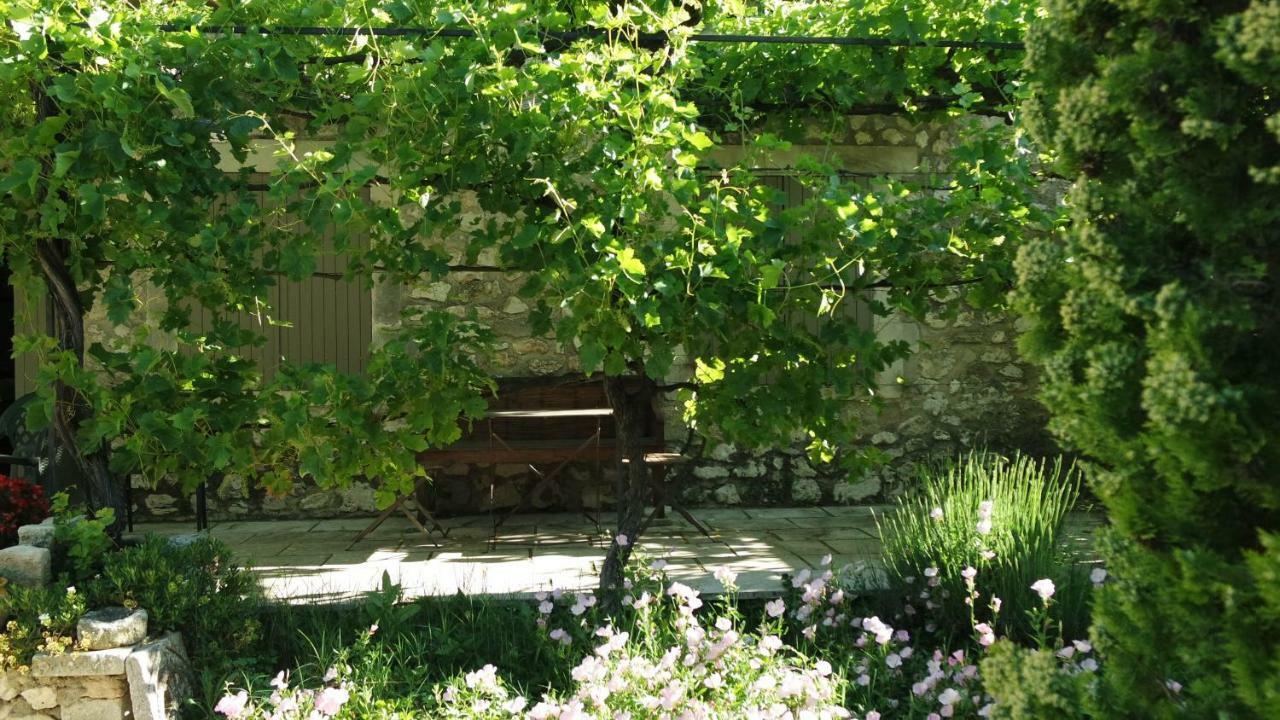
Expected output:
(969, 573)
(984, 526)
(1174, 686)
(984, 509)
(873, 715)
(1044, 588)
(331, 700)
(232, 706)
(622, 540)
(986, 636)
(775, 608)
(894, 660)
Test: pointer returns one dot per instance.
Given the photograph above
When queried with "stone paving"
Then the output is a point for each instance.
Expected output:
(319, 560)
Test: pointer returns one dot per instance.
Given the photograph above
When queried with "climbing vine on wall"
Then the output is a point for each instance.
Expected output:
(583, 132)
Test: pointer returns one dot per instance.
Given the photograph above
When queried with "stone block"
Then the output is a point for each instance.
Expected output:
(710, 472)
(104, 688)
(112, 627)
(41, 698)
(80, 664)
(36, 535)
(727, 494)
(11, 683)
(95, 710)
(26, 565)
(160, 678)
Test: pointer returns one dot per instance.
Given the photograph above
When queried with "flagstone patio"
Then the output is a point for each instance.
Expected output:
(320, 561)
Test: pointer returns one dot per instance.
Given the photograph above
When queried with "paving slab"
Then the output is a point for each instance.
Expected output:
(320, 561)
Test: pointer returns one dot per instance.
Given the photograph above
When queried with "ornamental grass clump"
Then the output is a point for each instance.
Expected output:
(999, 518)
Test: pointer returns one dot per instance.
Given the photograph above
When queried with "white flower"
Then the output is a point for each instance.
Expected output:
(984, 509)
(622, 540)
(98, 17)
(775, 608)
(1044, 588)
(950, 696)
(936, 514)
(1098, 575)
(931, 572)
(727, 577)
(894, 660)
(984, 526)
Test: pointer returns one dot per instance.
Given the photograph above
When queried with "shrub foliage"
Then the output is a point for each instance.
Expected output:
(1154, 317)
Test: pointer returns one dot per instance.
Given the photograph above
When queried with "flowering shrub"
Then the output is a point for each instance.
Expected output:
(286, 702)
(21, 503)
(718, 670)
(37, 619)
(820, 651)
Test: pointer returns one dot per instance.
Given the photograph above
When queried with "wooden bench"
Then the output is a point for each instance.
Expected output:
(548, 423)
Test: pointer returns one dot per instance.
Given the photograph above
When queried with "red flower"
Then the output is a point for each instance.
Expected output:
(24, 503)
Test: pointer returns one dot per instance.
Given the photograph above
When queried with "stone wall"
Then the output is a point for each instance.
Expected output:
(117, 671)
(146, 681)
(963, 388)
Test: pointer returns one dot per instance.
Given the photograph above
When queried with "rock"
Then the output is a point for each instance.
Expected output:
(104, 688)
(515, 306)
(359, 497)
(751, 469)
(851, 492)
(10, 686)
(806, 490)
(722, 452)
(1011, 371)
(79, 664)
(436, 292)
(161, 504)
(41, 698)
(36, 535)
(884, 438)
(710, 472)
(186, 539)
(160, 678)
(802, 469)
(95, 710)
(727, 494)
(315, 500)
(26, 565)
(112, 627)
